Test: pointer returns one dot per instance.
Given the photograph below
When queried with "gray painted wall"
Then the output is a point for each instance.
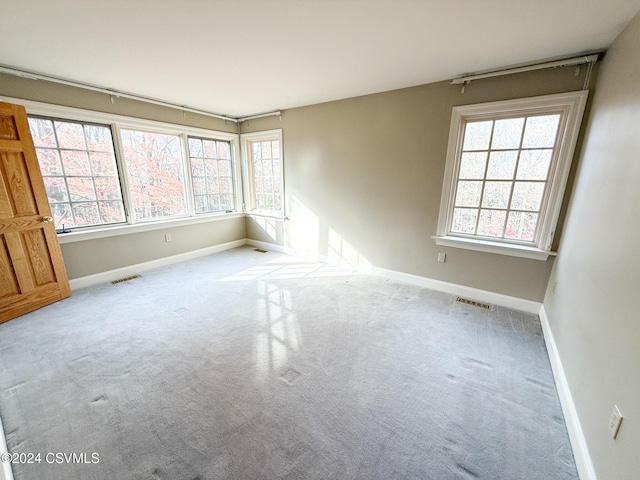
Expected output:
(88, 257)
(94, 256)
(363, 180)
(593, 312)
(41, 91)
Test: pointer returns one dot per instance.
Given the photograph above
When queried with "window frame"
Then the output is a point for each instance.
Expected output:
(93, 176)
(116, 122)
(234, 188)
(571, 105)
(246, 139)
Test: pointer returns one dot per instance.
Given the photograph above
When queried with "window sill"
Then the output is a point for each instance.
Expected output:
(275, 216)
(113, 231)
(494, 247)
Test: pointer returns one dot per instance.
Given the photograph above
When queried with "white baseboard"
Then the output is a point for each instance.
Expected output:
(516, 303)
(110, 275)
(5, 468)
(576, 436)
(268, 246)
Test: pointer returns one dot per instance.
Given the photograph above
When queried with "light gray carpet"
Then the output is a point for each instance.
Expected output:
(244, 365)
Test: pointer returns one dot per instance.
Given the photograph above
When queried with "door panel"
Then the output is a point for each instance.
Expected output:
(32, 269)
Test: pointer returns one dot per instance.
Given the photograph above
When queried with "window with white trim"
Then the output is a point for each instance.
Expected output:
(264, 172)
(78, 166)
(155, 174)
(105, 173)
(211, 174)
(507, 167)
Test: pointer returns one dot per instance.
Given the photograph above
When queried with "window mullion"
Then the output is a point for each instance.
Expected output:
(513, 179)
(123, 174)
(484, 177)
(187, 180)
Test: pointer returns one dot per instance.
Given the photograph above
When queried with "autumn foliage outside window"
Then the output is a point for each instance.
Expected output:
(155, 175)
(79, 170)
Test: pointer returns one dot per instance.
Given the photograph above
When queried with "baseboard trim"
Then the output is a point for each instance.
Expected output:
(268, 246)
(515, 303)
(5, 467)
(110, 275)
(576, 435)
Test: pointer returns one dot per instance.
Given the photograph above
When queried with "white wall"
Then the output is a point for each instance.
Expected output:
(594, 312)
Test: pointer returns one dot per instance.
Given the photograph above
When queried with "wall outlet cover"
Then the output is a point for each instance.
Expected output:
(614, 421)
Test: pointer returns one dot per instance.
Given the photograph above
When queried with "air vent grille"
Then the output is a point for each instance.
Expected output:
(473, 303)
(125, 279)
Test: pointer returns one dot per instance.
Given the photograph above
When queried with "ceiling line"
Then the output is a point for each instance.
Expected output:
(578, 60)
(117, 93)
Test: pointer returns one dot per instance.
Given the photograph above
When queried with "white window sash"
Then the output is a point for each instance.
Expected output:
(572, 107)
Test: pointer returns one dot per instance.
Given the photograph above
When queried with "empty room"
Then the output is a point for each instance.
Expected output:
(319, 239)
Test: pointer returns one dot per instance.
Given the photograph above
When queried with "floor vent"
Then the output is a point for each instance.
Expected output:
(473, 303)
(259, 250)
(125, 279)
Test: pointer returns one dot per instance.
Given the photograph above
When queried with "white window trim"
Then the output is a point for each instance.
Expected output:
(573, 104)
(247, 172)
(126, 122)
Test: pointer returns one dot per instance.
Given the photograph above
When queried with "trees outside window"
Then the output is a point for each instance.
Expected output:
(507, 166)
(79, 169)
(155, 174)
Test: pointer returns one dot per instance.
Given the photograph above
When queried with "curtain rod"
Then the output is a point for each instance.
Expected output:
(593, 58)
(108, 91)
(261, 115)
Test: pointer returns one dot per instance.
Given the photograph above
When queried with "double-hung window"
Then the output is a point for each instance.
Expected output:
(102, 170)
(79, 170)
(264, 183)
(155, 174)
(211, 174)
(507, 167)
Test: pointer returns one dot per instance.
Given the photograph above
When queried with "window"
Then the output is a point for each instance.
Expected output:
(265, 185)
(211, 174)
(79, 170)
(506, 171)
(155, 174)
(109, 175)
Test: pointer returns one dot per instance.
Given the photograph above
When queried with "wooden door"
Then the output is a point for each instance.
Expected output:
(32, 272)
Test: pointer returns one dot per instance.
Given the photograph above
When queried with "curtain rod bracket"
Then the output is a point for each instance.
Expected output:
(566, 62)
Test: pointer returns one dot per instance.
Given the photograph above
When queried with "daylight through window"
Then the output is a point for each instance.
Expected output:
(506, 171)
(502, 177)
(155, 174)
(101, 170)
(79, 170)
(263, 160)
(212, 175)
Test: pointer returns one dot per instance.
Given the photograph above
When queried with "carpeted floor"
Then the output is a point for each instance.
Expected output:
(248, 365)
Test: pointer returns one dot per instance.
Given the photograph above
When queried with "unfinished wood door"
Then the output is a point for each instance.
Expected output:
(32, 272)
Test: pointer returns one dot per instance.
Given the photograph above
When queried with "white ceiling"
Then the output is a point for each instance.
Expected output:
(242, 57)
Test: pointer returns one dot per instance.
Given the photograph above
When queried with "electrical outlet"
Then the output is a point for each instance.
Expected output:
(167, 237)
(442, 257)
(615, 421)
